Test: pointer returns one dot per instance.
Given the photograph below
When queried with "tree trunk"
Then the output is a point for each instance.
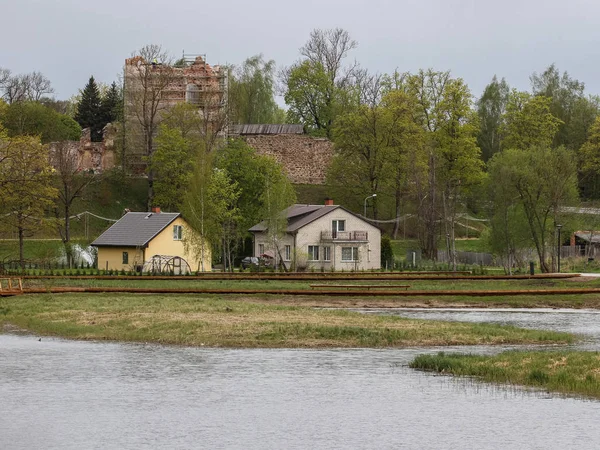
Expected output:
(21, 248)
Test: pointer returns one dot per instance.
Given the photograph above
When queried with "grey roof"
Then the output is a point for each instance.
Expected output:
(589, 236)
(299, 216)
(245, 129)
(135, 229)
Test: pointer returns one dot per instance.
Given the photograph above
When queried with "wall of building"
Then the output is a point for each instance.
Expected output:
(164, 244)
(369, 253)
(111, 258)
(305, 158)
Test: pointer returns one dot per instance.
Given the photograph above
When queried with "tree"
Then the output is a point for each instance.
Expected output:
(265, 189)
(278, 193)
(147, 76)
(542, 179)
(71, 186)
(528, 121)
(453, 158)
(490, 109)
(172, 164)
(314, 87)
(34, 119)
(89, 110)
(251, 92)
(111, 105)
(566, 96)
(25, 177)
(372, 147)
(27, 87)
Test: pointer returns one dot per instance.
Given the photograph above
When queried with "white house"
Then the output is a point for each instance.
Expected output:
(321, 237)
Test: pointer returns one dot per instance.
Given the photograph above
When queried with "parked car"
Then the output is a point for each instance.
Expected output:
(249, 261)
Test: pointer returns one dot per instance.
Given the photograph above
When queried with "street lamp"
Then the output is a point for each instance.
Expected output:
(370, 196)
(559, 242)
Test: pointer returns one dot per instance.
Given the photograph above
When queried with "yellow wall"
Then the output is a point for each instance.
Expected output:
(111, 258)
(162, 244)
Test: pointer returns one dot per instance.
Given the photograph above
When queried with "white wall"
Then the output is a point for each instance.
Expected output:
(369, 254)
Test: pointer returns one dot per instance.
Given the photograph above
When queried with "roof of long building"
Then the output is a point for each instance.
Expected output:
(246, 129)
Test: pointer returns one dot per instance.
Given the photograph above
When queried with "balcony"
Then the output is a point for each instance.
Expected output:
(345, 236)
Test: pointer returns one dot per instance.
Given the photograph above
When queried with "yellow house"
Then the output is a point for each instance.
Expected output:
(153, 242)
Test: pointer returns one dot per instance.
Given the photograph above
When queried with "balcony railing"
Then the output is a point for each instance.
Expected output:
(344, 236)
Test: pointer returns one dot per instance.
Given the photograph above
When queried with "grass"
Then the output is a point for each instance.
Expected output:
(567, 372)
(433, 285)
(215, 322)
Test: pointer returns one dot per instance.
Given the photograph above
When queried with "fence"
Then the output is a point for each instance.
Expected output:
(485, 259)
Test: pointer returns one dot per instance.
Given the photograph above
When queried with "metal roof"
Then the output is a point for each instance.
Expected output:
(245, 129)
(299, 216)
(135, 229)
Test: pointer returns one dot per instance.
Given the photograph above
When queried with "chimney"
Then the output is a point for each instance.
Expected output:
(328, 201)
(156, 209)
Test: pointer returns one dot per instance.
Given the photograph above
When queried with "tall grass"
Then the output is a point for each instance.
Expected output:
(568, 372)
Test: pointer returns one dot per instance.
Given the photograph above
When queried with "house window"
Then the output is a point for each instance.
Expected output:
(287, 253)
(177, 232)
(349, 253)
(125, 257)
(326, 253)
(337, 225)
(313, 252)
(261, 249)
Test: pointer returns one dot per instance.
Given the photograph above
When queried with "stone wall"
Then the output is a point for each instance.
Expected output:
(96, 156)
(305, 158)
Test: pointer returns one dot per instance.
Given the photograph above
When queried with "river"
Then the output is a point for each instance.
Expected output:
(59, 394)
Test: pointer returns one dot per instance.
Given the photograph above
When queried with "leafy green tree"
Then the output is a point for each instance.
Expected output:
(225, 214)
(251, 92)
(89, 110)
(542, 179)
(453, 164)
(35, 119)
(316, 85)
(264, 186)
(568, 103)
(387, 253)
(490, 109)
(372, 147)
(172, 163)
(528, 121)
(25, 177)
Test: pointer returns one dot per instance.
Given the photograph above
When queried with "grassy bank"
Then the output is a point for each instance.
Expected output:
(211, 321)
(567, 372)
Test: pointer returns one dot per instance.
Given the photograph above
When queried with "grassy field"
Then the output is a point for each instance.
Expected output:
(567, 372)
(216, 322)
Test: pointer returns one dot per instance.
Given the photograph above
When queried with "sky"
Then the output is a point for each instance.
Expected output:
(70, 40)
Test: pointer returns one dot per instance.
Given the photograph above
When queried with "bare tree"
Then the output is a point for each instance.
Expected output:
(148, 74)
(18, 88)
(37, 86)
(71, 184)
(328, 48)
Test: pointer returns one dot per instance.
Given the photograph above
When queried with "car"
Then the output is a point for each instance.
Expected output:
(249, 261)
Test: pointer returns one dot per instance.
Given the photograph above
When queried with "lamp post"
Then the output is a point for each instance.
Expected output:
(370, 196)
(559, 242)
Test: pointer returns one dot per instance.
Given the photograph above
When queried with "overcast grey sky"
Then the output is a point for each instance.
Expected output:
(69, 40)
